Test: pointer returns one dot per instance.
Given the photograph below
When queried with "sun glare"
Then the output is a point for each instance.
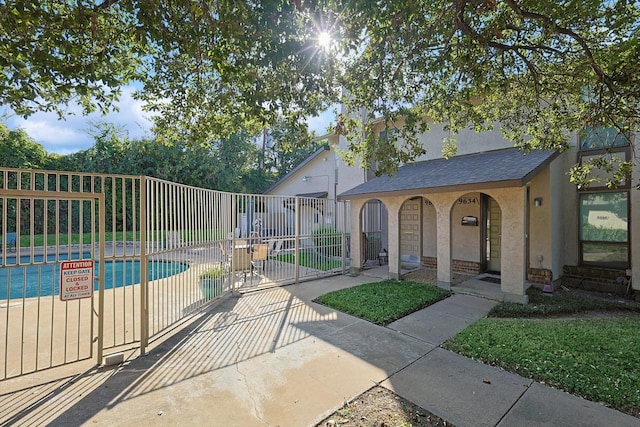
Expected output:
(324, 40)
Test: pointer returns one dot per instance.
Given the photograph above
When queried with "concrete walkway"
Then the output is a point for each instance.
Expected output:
(274, 358)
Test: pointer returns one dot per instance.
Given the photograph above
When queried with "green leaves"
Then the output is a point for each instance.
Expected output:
(521, 64)
(18, 150)
(207, 69)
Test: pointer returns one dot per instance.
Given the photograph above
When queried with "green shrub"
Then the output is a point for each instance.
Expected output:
(214, 272)
(328, 241)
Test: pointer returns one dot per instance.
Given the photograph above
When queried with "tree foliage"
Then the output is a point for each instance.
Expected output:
(541, 68)
(207, 69)
(18, 150)
(234, 164)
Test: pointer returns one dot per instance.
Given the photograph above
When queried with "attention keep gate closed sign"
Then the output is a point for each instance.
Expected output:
(76, 280)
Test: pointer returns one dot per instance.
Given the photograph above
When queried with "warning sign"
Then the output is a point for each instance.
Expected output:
(76, 279)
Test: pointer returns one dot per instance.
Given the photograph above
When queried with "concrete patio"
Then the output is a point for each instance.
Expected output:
(275, 358)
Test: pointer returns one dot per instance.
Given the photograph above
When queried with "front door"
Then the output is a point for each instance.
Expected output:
(493, 235)
(410, 217)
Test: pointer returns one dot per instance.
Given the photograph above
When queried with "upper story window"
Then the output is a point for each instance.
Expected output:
(388, 134)
(601, 137)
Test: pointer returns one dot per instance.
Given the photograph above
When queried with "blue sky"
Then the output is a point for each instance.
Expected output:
(71, 135)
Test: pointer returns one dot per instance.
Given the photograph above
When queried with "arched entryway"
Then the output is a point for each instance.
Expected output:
(476, 230)
(418, 233)
(375, 232)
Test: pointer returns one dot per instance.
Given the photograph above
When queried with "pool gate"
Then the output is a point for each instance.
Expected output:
(92, 265)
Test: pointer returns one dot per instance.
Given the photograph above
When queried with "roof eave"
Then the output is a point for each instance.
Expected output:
(444, 189)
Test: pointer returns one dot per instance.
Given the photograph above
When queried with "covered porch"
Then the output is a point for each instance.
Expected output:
(469, 215)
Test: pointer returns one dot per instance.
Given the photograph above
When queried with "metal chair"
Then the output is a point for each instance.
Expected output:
(277, 248)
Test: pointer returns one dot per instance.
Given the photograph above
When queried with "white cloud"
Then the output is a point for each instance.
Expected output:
(320, 123)
(72, 134)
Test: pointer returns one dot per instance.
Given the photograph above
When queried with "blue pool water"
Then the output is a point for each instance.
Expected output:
(44, 280)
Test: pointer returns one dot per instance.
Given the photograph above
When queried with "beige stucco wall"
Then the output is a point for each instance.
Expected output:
(565, 197)
(551, 229)
(466, 239)
(322, 173)
(429, 229)
(348, 176)
(561, 193)
(540, 221)
(467, 141)
(512, 202)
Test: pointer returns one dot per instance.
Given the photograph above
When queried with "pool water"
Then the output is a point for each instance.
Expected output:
(19, 282)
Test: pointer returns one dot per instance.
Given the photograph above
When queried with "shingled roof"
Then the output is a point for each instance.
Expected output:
(492, 169)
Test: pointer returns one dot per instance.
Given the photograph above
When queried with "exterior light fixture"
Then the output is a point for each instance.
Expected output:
(537, 201)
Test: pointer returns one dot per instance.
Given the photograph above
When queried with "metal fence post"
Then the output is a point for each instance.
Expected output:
(101, 234)
(144, 269)
(297, 241)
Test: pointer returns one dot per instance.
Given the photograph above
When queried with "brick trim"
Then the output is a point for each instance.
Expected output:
(539, 275)
(595, 279)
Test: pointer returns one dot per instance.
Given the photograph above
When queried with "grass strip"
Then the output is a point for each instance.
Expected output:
(383, 302)
(598, 359)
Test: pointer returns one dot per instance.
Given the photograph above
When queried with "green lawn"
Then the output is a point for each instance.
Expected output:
(309, 260)
(383, 302)
(561, 303)
(597, 358)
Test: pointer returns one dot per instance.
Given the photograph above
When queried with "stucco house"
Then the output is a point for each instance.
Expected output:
(489, 209)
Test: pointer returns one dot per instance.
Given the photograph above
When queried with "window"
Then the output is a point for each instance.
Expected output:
(600, 137)
(390, 133)
(604, 229)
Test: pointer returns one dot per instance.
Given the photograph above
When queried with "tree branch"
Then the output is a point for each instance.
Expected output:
(106, 4)
(568, 32)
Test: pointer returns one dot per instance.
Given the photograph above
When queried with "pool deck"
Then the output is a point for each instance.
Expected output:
(276, 358)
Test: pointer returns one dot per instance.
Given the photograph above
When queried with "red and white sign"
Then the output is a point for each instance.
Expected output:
(76, 280)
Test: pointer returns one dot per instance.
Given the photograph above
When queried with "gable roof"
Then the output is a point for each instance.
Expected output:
(500, 168)
(293, 171)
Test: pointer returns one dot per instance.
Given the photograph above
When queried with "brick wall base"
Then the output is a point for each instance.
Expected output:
(594, 279)
(534, 275)
(429, 262)
(466, 267)
(539, 275)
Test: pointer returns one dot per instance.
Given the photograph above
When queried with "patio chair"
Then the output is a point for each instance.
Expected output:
(241, 262)
(259, 255)
(10, 241)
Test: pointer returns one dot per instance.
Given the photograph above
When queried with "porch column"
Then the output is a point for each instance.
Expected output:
(513, 204)
(443, 203)
(393, 210)
(356, 231)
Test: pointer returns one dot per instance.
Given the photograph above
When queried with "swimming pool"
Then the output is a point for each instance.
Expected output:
(44, 280)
